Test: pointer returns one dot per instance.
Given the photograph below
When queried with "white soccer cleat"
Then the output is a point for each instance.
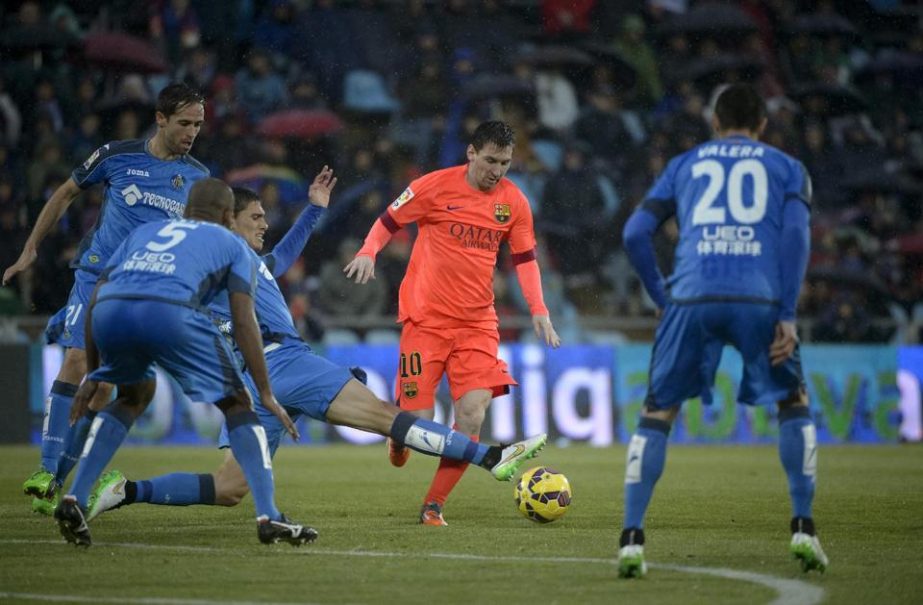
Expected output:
(631, 561)
(513, 455)
(806, 548)
(108, 494)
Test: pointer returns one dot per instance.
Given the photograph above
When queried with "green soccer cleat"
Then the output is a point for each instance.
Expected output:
(631, 561)
(39, 484)
(512, 456)
(44, 506)
(109, 493)
(807, 550)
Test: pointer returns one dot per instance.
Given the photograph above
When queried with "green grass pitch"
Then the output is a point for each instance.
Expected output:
(722, 508)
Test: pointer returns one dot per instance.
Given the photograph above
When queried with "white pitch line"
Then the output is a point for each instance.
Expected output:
(790, 592)
(27, 596)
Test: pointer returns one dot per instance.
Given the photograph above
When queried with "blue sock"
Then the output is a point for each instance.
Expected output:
(798, 453)
(177, 489)
(73, 446)
(647, 454)
(56, 424)
(436, 439)
(107, 432)
(248, 442)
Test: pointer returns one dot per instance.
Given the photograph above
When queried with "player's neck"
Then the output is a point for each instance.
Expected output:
(737, 132)
(158, 148)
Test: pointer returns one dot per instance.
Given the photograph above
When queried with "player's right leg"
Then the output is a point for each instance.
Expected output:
(109, 429)
(681, 349)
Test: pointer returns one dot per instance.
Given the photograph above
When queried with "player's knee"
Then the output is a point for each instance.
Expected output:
(797, 398)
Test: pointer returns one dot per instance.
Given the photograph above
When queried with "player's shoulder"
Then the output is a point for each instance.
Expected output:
(113, 149)
(510, 193)
(196, 165)
(441, 177)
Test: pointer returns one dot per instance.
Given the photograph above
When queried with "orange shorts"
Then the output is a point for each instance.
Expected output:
(468, 356)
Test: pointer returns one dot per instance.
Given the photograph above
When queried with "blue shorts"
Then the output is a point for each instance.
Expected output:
(687, 351)
(131, 335)
(304, 383)
(66, 327)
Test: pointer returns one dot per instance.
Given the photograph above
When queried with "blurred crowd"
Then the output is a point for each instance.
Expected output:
(601, 94)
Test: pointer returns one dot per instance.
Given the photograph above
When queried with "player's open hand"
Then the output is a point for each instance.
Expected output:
(269, 402)
(545, 330)
(363, 267)
(783, 345)
(319, 191)
(82, 399)
(24, 261)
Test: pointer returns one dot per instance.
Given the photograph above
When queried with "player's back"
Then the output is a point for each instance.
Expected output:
(729, 196)
(180, 261)
(139, 188)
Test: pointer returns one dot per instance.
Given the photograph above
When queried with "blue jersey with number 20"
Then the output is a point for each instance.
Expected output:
(728, 197)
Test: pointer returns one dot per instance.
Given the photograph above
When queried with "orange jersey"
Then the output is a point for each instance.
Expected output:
(449, 280)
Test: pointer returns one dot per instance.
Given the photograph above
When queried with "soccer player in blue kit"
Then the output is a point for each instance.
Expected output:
(743, 210)
(305, 384)
(149, 307)
(145, 180)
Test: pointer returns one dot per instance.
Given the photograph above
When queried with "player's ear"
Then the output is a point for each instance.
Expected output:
(227, 218)
(471, 152)
(160, 119)
(762, 127)
(715, 123)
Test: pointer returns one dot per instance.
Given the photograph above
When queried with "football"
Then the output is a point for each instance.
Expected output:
(543, 494)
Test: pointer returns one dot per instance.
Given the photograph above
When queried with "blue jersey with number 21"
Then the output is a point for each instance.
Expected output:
(728, 197)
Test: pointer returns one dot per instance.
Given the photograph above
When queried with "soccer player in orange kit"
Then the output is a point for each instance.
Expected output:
(446, 301)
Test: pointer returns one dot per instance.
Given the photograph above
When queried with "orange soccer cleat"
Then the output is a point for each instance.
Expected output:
(431, 514)
(397, 454)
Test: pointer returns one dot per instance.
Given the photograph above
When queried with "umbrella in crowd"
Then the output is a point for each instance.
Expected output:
(623, 72)
(727, 67)
(485, 86)
(706, 19)
(118, 52)
(829, 99)
(300, 124)
(828, 25)
(563, 57)
(293, 189)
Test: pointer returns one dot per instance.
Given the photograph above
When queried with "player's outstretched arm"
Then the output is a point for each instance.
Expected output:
(51, 213)
(323, 184)
(363, 267)
(250, 343)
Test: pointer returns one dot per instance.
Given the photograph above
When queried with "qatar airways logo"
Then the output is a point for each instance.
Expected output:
(479, 238)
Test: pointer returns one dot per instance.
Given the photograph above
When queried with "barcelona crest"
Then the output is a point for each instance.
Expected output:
(502, 213)
(177, 181)
(410, 389)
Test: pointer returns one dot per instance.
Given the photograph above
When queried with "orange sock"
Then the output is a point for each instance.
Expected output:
(447, 475)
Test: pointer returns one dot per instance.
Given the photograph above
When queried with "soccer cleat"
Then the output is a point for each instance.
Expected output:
(44, 506)
(39, 484)
(284, 530)
(631, 561)
(109, 493)
(72, 522)
(431, 514)
(397, 453)
(512, 456)
(807, 550)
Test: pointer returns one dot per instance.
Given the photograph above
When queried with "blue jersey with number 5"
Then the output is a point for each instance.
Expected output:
(179, 261)
(728, 197)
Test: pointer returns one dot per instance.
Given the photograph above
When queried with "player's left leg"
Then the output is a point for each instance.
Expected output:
(798, 454)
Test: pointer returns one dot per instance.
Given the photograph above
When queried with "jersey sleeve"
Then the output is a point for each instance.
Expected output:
(242, 276)
(522, 233)
(415, 201)
(95, 169)
(798, 186)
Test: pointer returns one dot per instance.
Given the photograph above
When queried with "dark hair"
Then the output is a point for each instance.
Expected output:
(176, 96)
(496, 132)
(740, 106)
(209, 197)
(243, 197)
